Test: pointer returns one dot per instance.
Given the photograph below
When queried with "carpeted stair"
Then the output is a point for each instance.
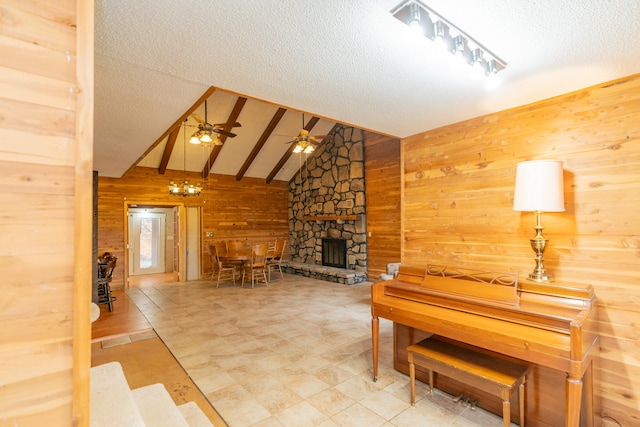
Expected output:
(114, 404)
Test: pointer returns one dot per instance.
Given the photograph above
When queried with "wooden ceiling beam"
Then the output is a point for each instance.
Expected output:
(233, 117)
(310, 124)
(168, 149)
(175, 125)
(261, 141)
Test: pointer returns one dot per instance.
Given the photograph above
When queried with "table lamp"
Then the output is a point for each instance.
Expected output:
(539, 188)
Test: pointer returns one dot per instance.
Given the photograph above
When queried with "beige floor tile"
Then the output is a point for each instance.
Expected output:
(296, 353)
(330, 401)
(301, 414)
(358, 415)
(384, 404)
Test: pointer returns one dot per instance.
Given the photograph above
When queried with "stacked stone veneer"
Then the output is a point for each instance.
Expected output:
(331, 186)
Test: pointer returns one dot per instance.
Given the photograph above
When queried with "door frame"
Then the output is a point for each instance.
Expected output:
(182, 230)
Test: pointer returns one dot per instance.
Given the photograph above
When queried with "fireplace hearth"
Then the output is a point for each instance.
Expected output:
(334, 252)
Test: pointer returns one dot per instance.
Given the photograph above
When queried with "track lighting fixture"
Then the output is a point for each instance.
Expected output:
(432, 25)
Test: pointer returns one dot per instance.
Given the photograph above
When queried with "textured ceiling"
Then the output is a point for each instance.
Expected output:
(344, 61)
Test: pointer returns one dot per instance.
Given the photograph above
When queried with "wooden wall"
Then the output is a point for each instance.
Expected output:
(242, 210)
(46, 122)
(457, 210)
(382, 186)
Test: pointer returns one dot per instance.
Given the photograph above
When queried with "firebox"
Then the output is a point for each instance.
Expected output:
(334, 252)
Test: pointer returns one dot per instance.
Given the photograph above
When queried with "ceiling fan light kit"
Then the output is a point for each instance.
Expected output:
(208, 133)
(429, 23)
(305, 143)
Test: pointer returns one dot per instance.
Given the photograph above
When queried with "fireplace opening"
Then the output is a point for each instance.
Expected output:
(334, 252)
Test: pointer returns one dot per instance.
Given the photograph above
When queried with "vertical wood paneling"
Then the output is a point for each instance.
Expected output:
(84, 255)
(382, 184)
(458, 195)
(247, 209)
(46, 140)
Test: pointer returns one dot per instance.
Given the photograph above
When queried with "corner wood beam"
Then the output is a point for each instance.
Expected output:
(299, 173)
(261, 141)
(233, 117)
(310, 124)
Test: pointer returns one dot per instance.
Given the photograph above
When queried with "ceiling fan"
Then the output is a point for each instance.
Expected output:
(306, 143)
(208, 133)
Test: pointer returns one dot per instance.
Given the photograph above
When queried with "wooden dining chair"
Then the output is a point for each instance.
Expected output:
(235, 246)
(257, 267)
(275, 262)
(219, 269)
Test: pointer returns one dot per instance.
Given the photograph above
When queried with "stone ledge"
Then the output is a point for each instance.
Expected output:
(321, 272)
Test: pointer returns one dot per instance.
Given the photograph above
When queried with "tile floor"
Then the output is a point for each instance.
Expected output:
(295, 353)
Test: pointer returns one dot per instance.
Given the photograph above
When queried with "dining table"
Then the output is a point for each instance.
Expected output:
(237, 258)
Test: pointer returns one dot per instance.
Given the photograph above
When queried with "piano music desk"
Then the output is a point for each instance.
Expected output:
(495, 376)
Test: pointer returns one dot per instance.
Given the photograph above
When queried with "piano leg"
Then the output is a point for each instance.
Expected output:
(574, 399)
(588, 384)
(375, 326)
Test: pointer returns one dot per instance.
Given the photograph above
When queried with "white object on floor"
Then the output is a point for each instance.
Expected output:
(194, 415)
(392, 271)
(111, 399)
(157, 407)
(95, 312)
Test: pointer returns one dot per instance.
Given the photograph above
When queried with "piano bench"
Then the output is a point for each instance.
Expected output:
(495, 376)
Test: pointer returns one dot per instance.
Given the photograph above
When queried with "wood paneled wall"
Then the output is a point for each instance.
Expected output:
(46, 145)
(457, 210)
(382, 186)
(241, 210)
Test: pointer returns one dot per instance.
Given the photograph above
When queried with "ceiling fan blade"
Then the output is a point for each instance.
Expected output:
(225, 133)
(197, 118)
(319, 138)
(228, 125)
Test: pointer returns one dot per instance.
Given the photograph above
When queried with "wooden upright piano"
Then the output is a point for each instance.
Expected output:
(549, 325)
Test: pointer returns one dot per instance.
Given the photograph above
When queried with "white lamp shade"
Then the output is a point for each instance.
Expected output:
(539, 186)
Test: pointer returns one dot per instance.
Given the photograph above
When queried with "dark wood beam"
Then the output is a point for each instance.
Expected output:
(168, 149)
(175, 125)
(261, 141)
(233, 117)
(310, 124)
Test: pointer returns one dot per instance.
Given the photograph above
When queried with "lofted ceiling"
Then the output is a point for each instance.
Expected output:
(348, 62)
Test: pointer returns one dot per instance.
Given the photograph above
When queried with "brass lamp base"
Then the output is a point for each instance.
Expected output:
(539, 244)
(541, 277)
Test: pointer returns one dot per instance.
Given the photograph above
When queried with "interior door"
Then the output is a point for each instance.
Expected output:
(147, 243)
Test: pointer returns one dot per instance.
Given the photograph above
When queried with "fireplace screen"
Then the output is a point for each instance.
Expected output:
(334, 252)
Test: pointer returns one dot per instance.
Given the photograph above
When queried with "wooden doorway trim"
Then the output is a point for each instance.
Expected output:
(181, 234)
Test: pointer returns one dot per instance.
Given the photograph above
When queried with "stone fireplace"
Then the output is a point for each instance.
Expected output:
(327, 200)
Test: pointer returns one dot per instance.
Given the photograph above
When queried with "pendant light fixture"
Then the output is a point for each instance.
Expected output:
(185, 188)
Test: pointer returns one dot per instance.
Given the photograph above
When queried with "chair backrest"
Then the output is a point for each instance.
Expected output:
(235, 246)
(220, 248)
(213, 256)
(259, 255)
(107, 265)
(281, 245)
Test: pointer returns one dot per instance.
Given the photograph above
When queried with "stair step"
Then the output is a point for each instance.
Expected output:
(111, 400)
(194, 415)
(157, 407)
